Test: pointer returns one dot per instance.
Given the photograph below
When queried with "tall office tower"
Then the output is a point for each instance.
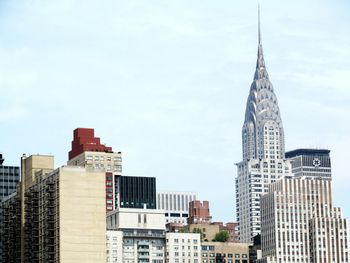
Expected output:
(300, 224)
(135, 192)
(87, 151)
(311, 163)
(263, 149)
(199, 212)
(139, 235)
(175, 205)
(9, 178)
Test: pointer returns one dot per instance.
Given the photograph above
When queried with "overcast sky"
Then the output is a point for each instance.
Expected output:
(166, 83)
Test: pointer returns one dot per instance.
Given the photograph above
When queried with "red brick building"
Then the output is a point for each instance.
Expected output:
(84, 140)
(199, 212)
(87, 151)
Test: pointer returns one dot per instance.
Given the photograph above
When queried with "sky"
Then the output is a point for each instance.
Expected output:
(166, 83)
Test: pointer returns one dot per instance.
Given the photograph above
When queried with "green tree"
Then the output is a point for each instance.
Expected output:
(221, 236)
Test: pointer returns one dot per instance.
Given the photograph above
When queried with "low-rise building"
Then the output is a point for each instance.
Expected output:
(208, 231)
(228, 252)
(231, 228)
(143, 234)
(183, 247)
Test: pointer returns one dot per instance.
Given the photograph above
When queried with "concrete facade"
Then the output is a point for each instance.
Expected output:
(300, 223)
(175, 204)
(82, 224)
(183, 247)
(110, 163)
(143, 233)
(114, 246)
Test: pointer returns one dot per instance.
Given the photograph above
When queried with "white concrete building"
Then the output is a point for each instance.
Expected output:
(300, 224)
(175, 205)
(263, 150)
(143, 234)
(114, 246)
(183, 247)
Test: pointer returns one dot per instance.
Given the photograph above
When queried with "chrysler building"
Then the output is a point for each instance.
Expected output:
(263, 149)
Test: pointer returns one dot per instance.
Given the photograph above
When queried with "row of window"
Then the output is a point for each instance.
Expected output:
(102, 158)
(176, 240)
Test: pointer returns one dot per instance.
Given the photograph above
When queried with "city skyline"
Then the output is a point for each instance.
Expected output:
(167, 86)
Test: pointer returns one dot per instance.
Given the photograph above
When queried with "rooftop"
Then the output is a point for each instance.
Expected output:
(307, 151)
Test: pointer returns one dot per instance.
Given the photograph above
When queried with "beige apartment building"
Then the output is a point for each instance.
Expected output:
(88, 151)
(62, 214)
(108, 162)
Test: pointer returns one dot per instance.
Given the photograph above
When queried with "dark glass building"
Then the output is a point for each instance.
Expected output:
(312, 163)
(9, 178)
(135, 192)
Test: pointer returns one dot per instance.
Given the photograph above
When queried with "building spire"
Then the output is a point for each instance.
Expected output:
(260, 63)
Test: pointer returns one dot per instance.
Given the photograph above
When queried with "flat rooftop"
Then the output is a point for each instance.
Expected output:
(307, 151)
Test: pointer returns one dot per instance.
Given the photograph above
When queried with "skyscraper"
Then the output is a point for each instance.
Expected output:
(263, 149)
(301, 224)
(311, 163)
